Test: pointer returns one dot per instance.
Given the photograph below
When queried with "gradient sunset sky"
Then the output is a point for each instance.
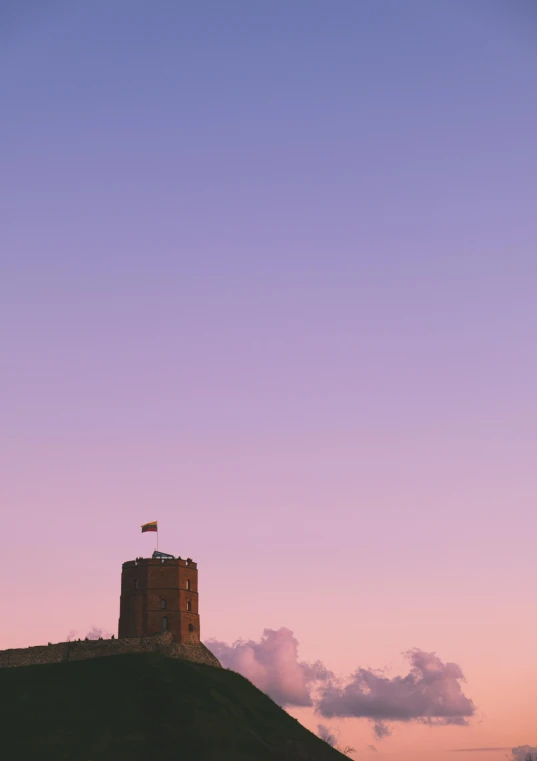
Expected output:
(268, 275)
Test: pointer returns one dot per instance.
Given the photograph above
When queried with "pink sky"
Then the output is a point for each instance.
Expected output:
(269, 277)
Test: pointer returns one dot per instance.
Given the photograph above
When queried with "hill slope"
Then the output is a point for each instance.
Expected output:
(143, 707)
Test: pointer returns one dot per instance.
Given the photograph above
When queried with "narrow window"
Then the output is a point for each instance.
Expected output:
(189, 604)
(135, 583)
(188, 586)
(190, 627)
(163, 603)
(164, 623)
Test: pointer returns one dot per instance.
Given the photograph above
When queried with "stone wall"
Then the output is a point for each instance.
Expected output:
(80, 651)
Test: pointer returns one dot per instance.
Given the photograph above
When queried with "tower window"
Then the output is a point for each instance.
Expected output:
(188, 584)
(135, 583)
(190, 627)
(189, 604)
(163, 603)
(164, 623)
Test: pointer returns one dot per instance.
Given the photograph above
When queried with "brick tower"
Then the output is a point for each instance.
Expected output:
(160, 594)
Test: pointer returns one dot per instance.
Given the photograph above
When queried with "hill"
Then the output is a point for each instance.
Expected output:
(145, 707)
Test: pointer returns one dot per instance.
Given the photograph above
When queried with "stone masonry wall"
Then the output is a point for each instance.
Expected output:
(79, 651)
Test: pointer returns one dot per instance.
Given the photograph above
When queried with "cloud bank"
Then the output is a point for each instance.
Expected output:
(430, 693)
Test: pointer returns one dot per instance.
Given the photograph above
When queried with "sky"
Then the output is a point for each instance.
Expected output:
(268, 275)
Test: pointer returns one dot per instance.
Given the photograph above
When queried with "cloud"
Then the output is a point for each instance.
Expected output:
(430, 693)
(372, 748)
(476, 750)
(96, 633)
(272, 665)
(522, 752)
(381, 729)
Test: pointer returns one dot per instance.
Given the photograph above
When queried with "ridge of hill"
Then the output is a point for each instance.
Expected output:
(145, 707)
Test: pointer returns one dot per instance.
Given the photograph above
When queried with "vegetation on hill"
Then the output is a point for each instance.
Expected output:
(145, 707)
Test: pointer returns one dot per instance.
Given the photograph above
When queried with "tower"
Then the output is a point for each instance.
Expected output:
(160, 594)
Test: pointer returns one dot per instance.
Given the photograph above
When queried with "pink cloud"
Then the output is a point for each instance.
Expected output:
(272, 665)
(524, 753)
(95, 633)
(431, 693)
(381, 729)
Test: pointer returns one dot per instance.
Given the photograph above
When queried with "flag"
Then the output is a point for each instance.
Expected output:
(150, 526)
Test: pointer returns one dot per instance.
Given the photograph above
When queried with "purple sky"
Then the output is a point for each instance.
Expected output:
(268, 274)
